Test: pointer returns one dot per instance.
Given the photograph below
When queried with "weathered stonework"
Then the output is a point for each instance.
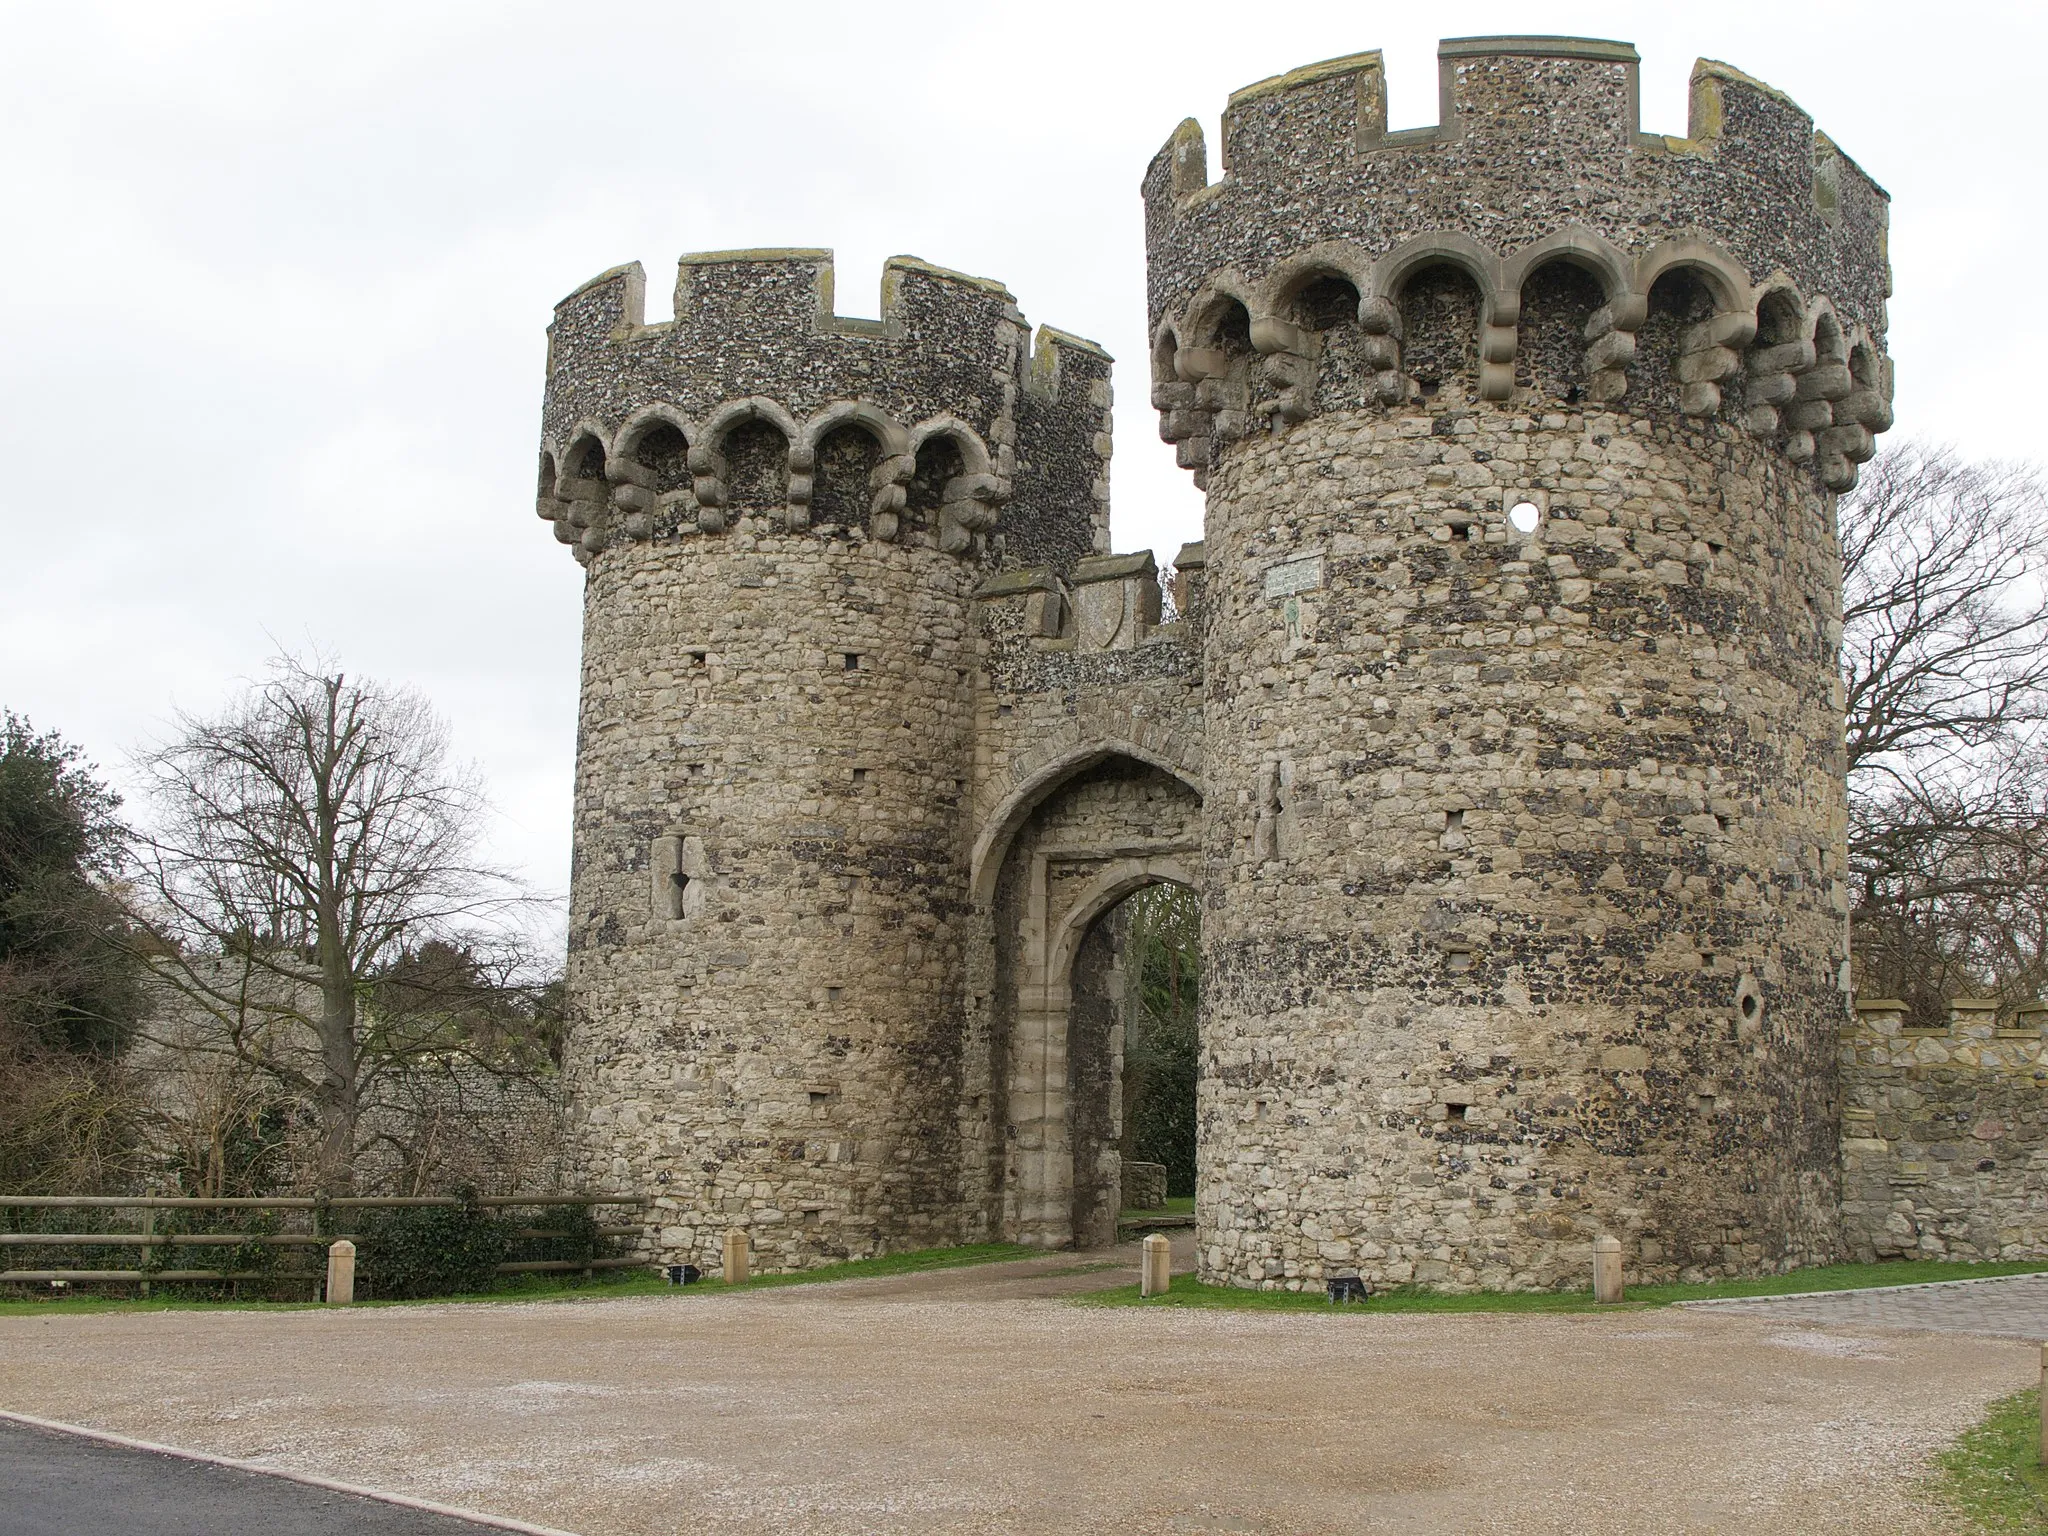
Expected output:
(1497, 723)
(1524, 911)
(1945, 1134)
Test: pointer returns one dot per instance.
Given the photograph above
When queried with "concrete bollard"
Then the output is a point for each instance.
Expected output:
(341, 1273)
(1606, 1269)
(1155, 1270)
(735, 1257)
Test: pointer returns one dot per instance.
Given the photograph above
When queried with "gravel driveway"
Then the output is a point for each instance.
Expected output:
(978, 1401)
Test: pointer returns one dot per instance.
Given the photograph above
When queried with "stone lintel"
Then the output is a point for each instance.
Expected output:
(1018, 583)
(1114, 568)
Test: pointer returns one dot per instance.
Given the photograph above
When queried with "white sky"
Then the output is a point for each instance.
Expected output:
(275, 278)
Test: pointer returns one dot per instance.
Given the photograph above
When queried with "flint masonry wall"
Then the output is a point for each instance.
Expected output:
(1945, 1134)
(784, 516)
(1519, 842)
(1523, 909)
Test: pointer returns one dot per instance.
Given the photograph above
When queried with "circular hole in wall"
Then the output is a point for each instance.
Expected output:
(1524, 517)
(1749, 1005)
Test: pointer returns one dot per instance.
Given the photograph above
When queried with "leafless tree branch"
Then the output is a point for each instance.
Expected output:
(308, 844)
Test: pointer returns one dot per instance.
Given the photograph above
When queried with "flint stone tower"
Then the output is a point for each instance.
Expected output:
(1525, 908)
(1498, 729)
(784, 515)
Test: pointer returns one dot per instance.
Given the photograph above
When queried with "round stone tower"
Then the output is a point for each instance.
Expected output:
(783, 515)
(1524, 849)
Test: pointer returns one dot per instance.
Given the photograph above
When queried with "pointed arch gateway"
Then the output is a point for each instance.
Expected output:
(1097, 828)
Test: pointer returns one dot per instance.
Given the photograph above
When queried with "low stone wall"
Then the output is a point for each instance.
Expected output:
(1144, 1186)
(1945, 1134)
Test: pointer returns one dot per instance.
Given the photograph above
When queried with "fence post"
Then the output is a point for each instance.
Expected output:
(1155, 1272)
(1606, 1269)
(341, 1274)
(735, 1257)
(148, 1249)
(2044, 1405)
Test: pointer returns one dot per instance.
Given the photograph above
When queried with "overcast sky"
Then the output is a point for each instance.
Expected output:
(276, 277)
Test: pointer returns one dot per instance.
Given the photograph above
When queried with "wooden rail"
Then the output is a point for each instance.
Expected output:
(148, 1238)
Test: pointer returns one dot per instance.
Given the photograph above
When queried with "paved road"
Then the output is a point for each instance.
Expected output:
(54, 1484)
(2015, 1308)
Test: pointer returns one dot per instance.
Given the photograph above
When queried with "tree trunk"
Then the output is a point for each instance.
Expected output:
(335, 1172)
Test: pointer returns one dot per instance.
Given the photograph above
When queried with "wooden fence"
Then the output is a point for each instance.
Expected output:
(327, 1222)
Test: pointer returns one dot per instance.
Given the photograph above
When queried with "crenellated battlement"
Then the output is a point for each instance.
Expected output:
(1495, 727)
(788, 290)
(936, 423)
(1754, 234)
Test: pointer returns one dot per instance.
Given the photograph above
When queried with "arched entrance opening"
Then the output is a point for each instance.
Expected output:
(1158, 942)
(1063, 919)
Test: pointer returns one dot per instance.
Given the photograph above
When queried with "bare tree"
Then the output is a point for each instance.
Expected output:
(304, 842)
(1944, 610)
(1945, 672)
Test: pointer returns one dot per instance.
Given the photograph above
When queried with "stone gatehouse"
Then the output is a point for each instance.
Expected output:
(1495, 720)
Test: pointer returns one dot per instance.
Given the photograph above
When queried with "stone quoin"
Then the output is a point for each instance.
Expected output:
(1495, 720)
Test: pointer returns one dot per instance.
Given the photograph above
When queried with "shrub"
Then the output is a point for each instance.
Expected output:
(432, 1250)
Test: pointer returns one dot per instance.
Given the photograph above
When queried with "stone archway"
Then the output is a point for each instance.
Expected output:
(1115, 825)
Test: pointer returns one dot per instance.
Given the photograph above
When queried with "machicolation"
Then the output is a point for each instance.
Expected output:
(1495, 721)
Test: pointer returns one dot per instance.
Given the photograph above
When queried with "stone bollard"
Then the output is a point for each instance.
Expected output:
(735, 1257)
(341, 1273)
(1155, 1271)
(1606, 1269)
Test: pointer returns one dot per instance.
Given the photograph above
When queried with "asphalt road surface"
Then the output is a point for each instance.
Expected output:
(54, 1484)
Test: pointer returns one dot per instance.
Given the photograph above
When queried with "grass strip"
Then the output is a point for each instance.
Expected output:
(1992, 1473)
(1190, 1292)
(613, 1283)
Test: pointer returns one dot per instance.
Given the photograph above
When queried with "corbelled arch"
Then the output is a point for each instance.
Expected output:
(1392, 271)
(1577, 245)
(1722, 273)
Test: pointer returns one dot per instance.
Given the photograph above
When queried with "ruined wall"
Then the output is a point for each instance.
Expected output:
(1523, 910)
(1945, 1134)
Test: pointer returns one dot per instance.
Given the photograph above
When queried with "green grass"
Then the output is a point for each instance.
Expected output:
(1993, 1473)
(612, 1283)
(1176, 1205)
(1189, 1292)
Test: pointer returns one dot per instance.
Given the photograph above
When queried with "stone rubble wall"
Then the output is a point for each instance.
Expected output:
(1520, 847)
(1945, 1134)
(1509, 830)
(1144, 1186)
(1537, 136)
(784, 515)
(779, 1050)
(1524, 913)
(1754, 246)
(646, 428)
(444, 1121)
